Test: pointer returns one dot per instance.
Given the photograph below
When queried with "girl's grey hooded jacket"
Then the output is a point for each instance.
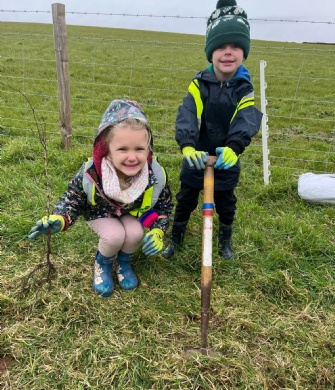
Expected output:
(75, 201)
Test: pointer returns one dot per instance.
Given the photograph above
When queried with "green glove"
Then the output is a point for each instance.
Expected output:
(226, 158)
(195, 158)
(54, 223)
(153, 242)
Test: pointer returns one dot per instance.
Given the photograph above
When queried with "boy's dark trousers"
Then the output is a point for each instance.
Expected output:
(187, 201)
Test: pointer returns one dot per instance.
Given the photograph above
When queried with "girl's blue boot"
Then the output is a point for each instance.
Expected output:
(103, 279)
(124, 271)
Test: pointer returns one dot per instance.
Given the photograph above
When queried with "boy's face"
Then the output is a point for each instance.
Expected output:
(128, 150)
(226, 59)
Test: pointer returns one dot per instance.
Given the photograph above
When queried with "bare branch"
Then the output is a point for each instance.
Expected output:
(41, 135)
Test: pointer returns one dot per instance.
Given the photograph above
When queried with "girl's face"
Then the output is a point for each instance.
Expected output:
(128, 150)
(226, 59)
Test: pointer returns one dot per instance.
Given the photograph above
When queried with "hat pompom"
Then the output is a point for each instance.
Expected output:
(225, 3)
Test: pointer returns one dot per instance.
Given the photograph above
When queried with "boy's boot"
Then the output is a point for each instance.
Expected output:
(103, 279)
(124, 271)
(177, 238)
(225, 233)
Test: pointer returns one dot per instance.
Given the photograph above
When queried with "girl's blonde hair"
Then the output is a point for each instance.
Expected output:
(134, 123)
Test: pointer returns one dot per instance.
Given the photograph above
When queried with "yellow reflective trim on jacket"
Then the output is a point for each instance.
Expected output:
(164, 174)
(92, 201)
(243, 103)
(146, 203)
(194, 90)
(90, 188)
(151, 195)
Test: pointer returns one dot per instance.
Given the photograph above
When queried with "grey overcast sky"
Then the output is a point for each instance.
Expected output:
(312, 21)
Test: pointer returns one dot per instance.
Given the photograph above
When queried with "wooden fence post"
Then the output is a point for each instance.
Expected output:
(60, 40)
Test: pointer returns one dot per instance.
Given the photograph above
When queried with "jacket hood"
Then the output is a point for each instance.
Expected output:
(209, 75)
(118, 111)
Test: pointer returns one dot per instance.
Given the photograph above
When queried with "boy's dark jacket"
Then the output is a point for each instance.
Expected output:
(220, 101)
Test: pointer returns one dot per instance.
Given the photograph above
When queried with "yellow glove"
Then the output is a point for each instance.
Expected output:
(195, 158)
(53, 223)
(226, 158)
(153, 242)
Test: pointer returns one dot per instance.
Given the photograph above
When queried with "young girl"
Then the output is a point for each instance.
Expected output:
(120, 191)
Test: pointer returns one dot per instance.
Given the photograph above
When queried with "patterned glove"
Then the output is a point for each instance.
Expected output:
(226, 158)
(153, 242)
(54, 223)
(195, 158)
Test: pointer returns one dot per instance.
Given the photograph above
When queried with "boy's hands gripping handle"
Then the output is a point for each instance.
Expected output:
(153, 242)
(195, 158)
(226, 158)
(53, 223)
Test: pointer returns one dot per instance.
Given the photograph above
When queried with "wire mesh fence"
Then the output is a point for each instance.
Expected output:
(155, 69)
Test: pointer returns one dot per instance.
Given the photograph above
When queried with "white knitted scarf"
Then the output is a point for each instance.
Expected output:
(111, 184)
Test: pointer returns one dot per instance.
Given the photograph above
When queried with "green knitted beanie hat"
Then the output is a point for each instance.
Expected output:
(227, 24)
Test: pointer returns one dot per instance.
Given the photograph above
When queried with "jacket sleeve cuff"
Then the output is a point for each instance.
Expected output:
(186, 142)
(65, 224)
(236, 147)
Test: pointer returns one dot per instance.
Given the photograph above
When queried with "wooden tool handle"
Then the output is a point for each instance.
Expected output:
(207, 237)
(211, 161)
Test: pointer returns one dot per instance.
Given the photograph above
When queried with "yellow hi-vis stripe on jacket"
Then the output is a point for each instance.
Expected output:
(194, 90)
(146, 203)
(245, 102)
(150, 196)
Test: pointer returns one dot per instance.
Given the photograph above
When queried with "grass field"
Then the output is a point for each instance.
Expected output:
(272, 309)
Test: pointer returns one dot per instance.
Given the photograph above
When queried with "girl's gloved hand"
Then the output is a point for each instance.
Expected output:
(153, 242)
(195, 158)
(226, 158)
(54, 223)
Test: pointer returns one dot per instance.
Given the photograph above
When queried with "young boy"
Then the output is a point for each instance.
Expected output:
(217, 116)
